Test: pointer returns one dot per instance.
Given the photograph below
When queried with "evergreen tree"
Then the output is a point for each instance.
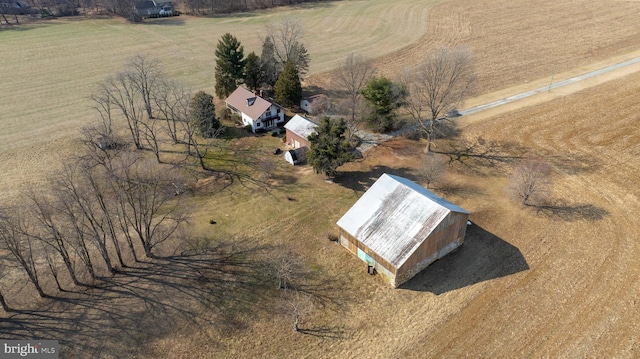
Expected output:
(230, 64)
(203, 114)
(385, 97)
(329, 146)
(269, 64)
(288, 87)
(253, 72)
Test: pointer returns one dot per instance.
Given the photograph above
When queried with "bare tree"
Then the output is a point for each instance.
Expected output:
(150, 134)
(171, 99)
(3, 301)
(286, 38)
(16, 240)
(50, 232)
(49, 256)
(102, 134)
(288, 269)
(432, 169)
(321, 105)
(298, 305)
(196, 146)
(352, 78)
(76, 189)
(71, 222)
(438, 85)
(148, 202)
(531, 181)
(144, 74)
(3, 272)
(122, 92)
(3, 16)
(100, 209)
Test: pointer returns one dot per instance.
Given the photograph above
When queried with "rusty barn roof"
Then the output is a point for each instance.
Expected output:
(395, 216)
(301, 126)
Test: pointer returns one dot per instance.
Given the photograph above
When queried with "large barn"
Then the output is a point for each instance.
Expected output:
(398, 228)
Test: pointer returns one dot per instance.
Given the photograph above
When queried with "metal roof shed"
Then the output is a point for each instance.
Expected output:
(298, 130)
(398, 227)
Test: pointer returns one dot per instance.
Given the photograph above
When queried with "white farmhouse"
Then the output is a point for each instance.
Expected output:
(260, 113)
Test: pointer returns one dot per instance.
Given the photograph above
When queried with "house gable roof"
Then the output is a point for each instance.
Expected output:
(395, 216)
(248, 103)
(318, 97)
(301, 126)
(140, 5)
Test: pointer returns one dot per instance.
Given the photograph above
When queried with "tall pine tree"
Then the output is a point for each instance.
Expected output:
(230, 65)
(288, 86)
(270, 66)
(253, 72)
(329, 147)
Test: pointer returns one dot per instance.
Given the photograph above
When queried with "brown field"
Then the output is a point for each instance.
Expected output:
(561, 282)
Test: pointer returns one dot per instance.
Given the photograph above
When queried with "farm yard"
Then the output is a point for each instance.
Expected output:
(559, 281)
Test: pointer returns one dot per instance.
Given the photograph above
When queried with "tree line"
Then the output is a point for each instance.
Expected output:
(279, 68)
(126, 8)
(102, 213)
(210, 7)
(425, 94)
(114, 205)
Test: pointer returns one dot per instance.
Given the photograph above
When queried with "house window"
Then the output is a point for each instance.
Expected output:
(258, 124)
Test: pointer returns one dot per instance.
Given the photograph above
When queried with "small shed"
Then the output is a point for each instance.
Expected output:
(298, 130)
(398, 228)
(316, 104)
(296, 156)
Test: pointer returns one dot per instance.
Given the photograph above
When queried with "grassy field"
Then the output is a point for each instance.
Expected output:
(562, 282)
(51, 68)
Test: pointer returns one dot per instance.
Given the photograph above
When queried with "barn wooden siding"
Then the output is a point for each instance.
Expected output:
(382, 266)
(448, 235)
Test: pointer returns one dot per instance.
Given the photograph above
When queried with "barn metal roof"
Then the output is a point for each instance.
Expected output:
(301, 126)
(395, 216)
(248, 103)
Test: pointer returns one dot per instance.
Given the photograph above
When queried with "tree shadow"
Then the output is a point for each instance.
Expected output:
(360, 181)
(205, 285)
(23, 27)
(474, 154)
(164, 21)
(324, 332)
(573, 163)
(483, 256)
(569, 213)
(461, 190)
(243, 12)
